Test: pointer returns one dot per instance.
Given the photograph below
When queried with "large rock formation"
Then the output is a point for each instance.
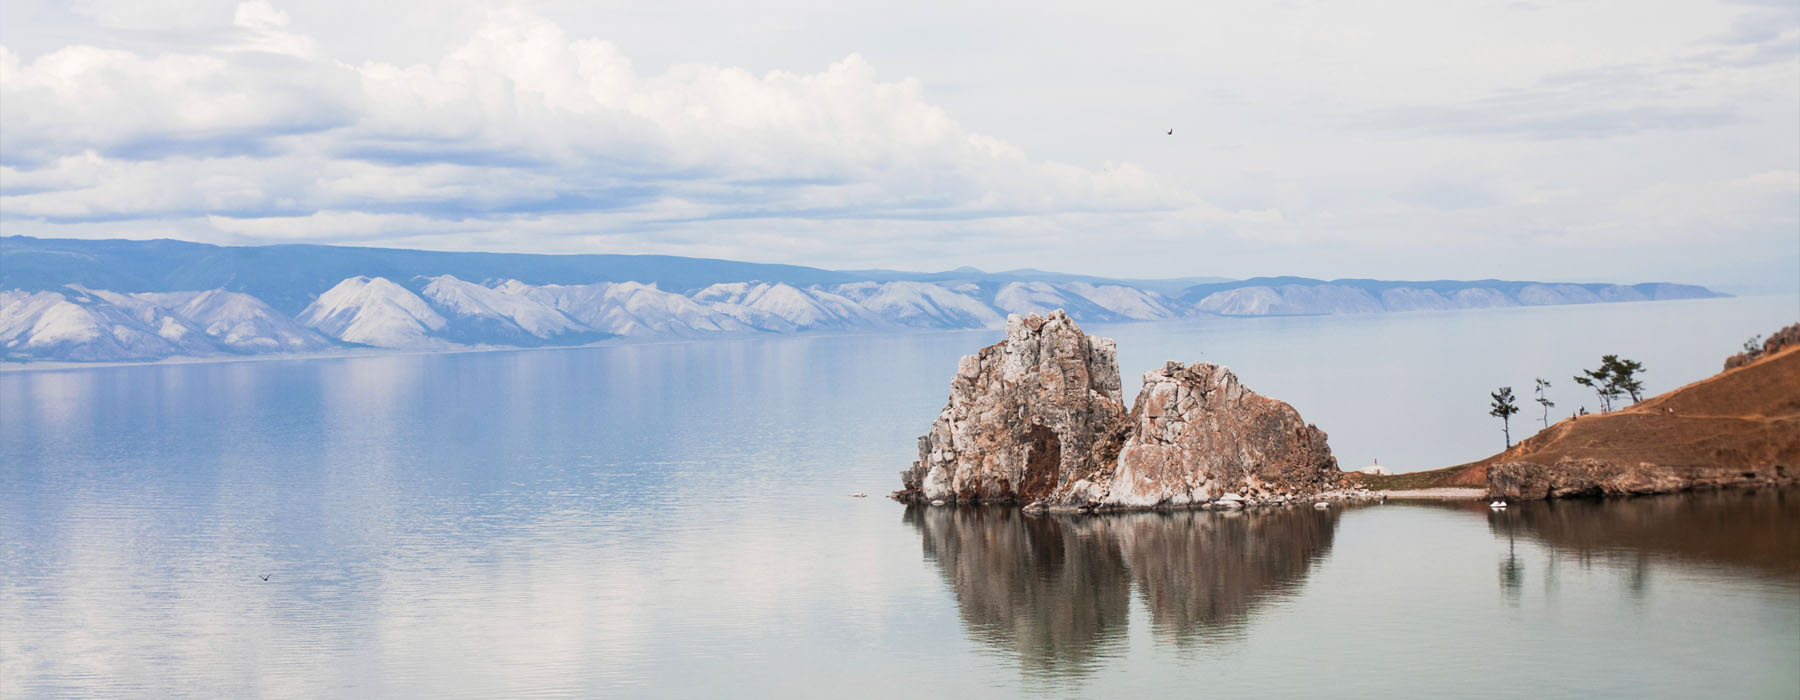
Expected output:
(1030, 418)
(1037, 419)
(1197, 434)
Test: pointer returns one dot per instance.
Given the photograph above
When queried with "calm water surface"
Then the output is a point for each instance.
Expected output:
(672, 519)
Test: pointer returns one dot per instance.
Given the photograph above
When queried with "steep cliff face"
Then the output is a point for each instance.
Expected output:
(1029, 418)
(1197, 434)
(1037, 419)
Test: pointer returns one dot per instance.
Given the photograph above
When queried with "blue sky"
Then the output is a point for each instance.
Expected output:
(1593, 141)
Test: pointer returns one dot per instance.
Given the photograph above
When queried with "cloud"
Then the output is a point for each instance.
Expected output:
(1314, 139)
(519, 120)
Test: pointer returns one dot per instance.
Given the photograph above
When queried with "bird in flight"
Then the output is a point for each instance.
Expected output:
(265, 577)
(1171, 132)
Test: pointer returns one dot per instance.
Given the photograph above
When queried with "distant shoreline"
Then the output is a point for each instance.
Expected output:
(12, 366)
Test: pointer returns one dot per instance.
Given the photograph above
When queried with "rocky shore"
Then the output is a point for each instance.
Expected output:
(1037, 420)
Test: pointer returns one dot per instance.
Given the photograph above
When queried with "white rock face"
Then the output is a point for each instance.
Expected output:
(1127, 302)
(1085, 302)
(78, 326)
(1026, 298)
(783, 307)
(922, 305)
(502, 313)
(375, 311)
(181, 333)
(107, 325)
(1243, 301)
(1481, 298)
(1543, 294)
(630, 309)
(1408, 299)
(238, 322)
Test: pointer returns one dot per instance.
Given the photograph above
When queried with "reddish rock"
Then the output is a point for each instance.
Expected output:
(1024, 419)
(1037, 419)
(1197, 434)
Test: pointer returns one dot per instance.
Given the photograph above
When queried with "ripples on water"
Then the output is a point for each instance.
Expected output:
(673, 520)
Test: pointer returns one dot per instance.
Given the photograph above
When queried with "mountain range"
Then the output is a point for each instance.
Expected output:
(116, 300)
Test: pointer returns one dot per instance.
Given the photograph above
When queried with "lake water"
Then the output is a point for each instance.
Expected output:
(672, 519)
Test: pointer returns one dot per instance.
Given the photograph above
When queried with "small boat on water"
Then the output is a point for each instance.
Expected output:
(1498, 505)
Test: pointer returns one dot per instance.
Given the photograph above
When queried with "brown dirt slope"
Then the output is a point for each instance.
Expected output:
(1739, 427)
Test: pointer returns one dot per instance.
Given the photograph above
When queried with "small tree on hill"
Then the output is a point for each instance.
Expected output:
(1599, 381)
(1614, 378)
(1503, 408)
(1543, 384)
(1624, 375)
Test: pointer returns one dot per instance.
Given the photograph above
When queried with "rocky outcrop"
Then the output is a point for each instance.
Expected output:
(1775, 343)
(1597, 476)
(1037, 419)
(1033, 417)
(1197, 435)
(1738, 428)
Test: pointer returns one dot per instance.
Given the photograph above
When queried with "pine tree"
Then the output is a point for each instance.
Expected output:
(1503, 408)
(1543, 384)
(1624, 376)
(1613, 379)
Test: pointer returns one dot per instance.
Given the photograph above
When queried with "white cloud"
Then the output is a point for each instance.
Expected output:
(519, 119)
(1394, 139)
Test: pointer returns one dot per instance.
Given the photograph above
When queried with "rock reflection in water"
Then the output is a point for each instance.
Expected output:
(1746, 531)
(1056, 590)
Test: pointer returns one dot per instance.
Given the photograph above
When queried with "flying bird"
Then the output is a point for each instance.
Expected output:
(1171, 132)
(265, 577)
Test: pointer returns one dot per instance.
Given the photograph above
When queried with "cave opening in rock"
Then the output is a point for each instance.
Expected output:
(1043, 459)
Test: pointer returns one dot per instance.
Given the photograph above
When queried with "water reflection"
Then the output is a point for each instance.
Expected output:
(1056, 590)
(1748, 532)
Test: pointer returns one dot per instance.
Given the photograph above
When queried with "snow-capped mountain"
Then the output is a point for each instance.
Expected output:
(183, 335)
(375, 311)
(629, 309)
(1084, 301)
(924, 305)
(478, 314)
(572, 300)
(782, 307)
(89, 325)
(238, 322)
(79, 327)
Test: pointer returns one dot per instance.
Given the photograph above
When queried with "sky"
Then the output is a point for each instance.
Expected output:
(1588, 140)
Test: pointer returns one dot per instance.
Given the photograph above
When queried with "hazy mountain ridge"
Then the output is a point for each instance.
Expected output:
(74, 321)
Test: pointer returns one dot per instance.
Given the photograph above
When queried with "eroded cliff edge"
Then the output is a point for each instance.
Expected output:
(1038, 420)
